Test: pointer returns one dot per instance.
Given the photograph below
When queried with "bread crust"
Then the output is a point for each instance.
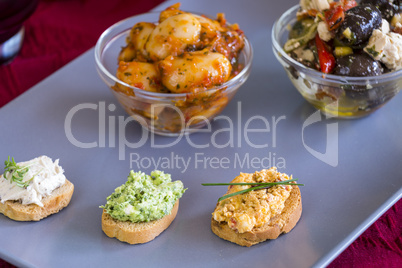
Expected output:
(282, 223)
(137, 232)
(52, 204)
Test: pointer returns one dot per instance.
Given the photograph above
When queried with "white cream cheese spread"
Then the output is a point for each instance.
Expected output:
(43, 176)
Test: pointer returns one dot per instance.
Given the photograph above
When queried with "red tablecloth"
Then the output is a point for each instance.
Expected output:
(60, 31)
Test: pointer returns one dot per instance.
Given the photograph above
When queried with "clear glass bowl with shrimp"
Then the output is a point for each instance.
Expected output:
(173, 71)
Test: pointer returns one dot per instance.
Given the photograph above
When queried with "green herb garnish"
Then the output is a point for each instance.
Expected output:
(372, 51)
(256, 186)
(16, 173)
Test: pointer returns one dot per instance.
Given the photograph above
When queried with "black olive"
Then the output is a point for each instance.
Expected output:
(358, 25)
(358, 64)
(372, 98)
(361, 64)
(388, 10)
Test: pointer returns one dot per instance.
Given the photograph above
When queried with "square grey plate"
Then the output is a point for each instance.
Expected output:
(340, 200)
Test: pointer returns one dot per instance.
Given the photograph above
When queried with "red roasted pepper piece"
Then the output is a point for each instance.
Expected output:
(348, 4)
(334, 16)
(325, 56)
(336, 13)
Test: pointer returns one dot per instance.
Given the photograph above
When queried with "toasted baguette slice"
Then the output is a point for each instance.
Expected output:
(53, 203)
(137, 232)
(271, 230)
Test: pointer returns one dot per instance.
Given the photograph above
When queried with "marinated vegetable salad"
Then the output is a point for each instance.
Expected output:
(348, 38)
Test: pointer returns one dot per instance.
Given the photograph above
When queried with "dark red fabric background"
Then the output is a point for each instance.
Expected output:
(61, 30)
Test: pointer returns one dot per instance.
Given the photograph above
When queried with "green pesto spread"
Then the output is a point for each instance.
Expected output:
(144, 198)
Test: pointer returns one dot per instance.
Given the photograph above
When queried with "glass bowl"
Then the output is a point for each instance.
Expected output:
(335, 96)
(169, 114)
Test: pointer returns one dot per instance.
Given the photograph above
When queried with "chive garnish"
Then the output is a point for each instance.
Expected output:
(16, 173)
(257, 186)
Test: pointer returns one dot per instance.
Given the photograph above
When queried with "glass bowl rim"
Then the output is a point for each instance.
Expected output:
(247, 51)
(393, 75)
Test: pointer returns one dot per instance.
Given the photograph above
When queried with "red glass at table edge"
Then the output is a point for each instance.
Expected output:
(66, 38)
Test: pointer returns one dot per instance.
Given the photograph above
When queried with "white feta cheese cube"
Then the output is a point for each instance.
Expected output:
(324, 32)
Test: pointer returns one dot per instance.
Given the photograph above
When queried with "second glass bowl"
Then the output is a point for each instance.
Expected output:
(335, 96)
